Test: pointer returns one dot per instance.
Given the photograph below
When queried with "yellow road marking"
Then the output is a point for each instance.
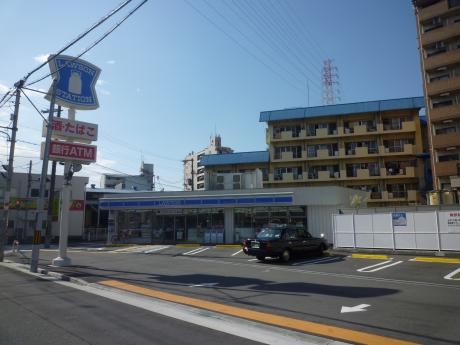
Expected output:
(440, 260)
(370, 256)
(276, 320)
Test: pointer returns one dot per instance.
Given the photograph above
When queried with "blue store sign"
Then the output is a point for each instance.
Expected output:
(76, 82)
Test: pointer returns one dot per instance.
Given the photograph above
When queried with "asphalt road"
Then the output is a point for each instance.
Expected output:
(34, 311)
(407, 300)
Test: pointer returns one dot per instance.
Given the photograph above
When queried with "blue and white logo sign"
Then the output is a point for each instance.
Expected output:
(75, 82)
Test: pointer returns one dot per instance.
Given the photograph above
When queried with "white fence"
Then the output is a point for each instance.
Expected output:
(435, 230)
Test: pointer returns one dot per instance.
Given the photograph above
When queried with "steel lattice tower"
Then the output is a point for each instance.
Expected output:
(331, 84)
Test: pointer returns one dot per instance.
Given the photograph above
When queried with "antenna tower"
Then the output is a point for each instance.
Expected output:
(331, 84)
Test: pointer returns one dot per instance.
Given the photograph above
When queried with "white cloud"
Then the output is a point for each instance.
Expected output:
(4, 88)
(111, 62)
(101, 82)
(41, 58)
(104, 92)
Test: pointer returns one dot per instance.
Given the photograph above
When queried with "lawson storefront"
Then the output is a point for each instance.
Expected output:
(212, 217)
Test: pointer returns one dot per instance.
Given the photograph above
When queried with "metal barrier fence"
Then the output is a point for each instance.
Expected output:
(433, 230)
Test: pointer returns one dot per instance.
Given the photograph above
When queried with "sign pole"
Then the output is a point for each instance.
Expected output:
(41, 200)
(63, 259)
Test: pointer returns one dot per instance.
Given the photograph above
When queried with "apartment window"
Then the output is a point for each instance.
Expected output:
(396, 190)
(296, 151)
(446, 157)
(441, 102)
(332, 169)
(311, 150)
(393, 123)
(446, 130)
(396, 145)
(453, 3)
(435, 49)
(432, 24)
(296, 172)
(294, 129)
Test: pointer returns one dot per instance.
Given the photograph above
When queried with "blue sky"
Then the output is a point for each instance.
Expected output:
(178, 71)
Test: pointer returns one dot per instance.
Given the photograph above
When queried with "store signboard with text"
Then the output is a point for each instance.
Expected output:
(69, 129)
(72, 152)
(75, 82)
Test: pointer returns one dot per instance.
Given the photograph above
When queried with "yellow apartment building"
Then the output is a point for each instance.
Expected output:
(371, 146)
(438, 25)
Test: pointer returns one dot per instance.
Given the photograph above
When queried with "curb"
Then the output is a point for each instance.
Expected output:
(41, 272)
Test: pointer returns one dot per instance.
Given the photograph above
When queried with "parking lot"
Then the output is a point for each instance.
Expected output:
(399, 296)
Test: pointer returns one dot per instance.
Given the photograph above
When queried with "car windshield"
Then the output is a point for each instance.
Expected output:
(269, 233)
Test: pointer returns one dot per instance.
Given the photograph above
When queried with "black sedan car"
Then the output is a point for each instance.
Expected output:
(283, 242)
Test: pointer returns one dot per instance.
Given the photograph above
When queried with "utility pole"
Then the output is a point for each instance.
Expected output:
(9, 179)
(29, 185)
(41, 200)
(49, 223)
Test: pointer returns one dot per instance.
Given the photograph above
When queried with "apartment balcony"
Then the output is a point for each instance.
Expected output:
(358, 152)
(407, 172)
(449, 168)
(439, 60)
(434, 10)
(406, 126)
(289, 136)
(408, 149)
(322, 176)
(287, 156)
(443, 86)
(358, 130)
(450, 112)
(446, 140)
(441, 34)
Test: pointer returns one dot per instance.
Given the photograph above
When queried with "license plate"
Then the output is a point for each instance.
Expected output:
(255, 245)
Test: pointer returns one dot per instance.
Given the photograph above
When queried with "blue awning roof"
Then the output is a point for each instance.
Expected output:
(235, 158)
(343, 109)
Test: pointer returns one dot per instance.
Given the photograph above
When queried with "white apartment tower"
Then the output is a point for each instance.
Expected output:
(194, 171)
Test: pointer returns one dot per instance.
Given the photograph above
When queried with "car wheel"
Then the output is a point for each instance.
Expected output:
(321, 250)
(285, 255)
(260, 258)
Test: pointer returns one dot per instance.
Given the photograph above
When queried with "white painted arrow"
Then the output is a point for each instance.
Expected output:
(361, 307)
(204, 285)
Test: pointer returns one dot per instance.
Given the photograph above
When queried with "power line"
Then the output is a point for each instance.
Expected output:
(92, 45)
(38, 111)
(248, 38)
(267, 21)
(242, 46)
(94, 26)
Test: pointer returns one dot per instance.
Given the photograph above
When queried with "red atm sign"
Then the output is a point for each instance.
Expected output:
(64, 151)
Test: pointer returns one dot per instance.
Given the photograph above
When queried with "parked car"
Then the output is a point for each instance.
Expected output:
(284, 242)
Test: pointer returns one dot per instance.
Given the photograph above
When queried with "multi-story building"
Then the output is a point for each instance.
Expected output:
(24, 197)
(371, 146)
(240, 170)
(438, 24)
(193, 169)
(143, 181)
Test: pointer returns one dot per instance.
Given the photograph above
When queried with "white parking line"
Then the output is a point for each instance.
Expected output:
(195, 251)
(155, 250)
(452, 274)
(239, 251)
(326, 259)
(379, 266)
